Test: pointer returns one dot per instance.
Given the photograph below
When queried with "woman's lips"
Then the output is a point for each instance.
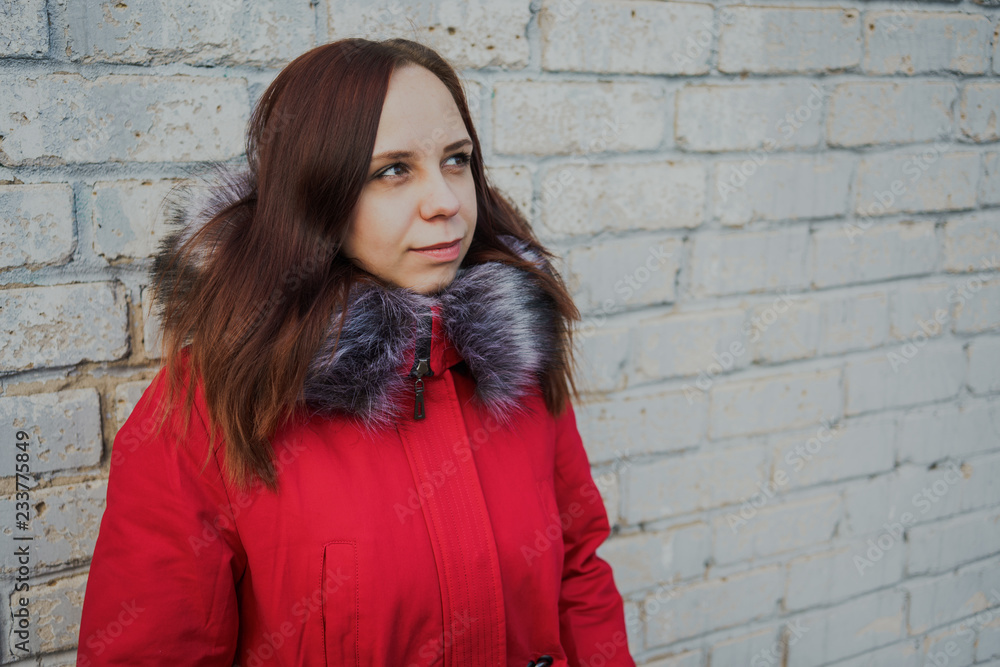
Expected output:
(445, 254)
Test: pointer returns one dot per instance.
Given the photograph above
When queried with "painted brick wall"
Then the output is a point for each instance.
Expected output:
(782, 225)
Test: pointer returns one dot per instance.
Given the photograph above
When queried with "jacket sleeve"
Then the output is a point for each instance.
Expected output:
(162, 582)
(591, 610)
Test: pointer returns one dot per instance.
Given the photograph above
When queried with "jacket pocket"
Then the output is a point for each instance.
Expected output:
(340, 603)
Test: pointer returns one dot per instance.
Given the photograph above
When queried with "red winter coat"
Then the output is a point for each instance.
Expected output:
(449, 540)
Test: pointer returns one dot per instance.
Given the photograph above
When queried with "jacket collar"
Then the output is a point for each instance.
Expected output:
(494, 317)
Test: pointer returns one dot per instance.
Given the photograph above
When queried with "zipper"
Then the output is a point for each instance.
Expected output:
(421, 363)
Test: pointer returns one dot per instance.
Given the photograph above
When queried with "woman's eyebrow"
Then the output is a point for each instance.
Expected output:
(403, 155)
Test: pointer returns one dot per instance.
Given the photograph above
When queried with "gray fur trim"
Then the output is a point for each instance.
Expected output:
(496, 316)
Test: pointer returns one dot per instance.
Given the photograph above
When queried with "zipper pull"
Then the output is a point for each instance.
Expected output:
(418, 408)
(421, 365)
(422, 369)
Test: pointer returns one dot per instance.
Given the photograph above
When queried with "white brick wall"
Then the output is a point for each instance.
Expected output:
(781, 225)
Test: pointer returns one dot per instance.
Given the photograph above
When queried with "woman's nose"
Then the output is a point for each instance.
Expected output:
(438, 199)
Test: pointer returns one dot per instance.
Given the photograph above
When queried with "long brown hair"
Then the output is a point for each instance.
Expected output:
(270, 274)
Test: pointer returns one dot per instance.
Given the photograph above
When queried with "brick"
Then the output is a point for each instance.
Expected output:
(978, 112)
(996, 52)
(470, 35)
(796, 187)
(65, 521)
(762, 647)
(736, 117)
(38, 225)
(127, 394)
(515, 183)
(788, 328)
(832, 576)
(978, 306)
(935, 181)
(875, 112)
(64, 118)
(62, 325)
(546, 118)
(825, 326)
(854, 324)
(919, 309)
(128, 218)
(620, 197)
(689, 344)
(153, 32)
(64, 429)
(951, 644)
(984, 367)
(684, 659)
(734, 263)
(637, 424)
(853, 448)
(695, 482)
(714, 605)
(644, 559)
(775, 529)
(972, 243)
(940, 546)
(774, 403)
(936, 432)
(604, 353)
(917, 372)
(953, 596)
(900, 654)
(24, 31)
(862, 624)
(988, 640)
(610, 491)
(914, 42)
(989, 188)
(624, 273)
(635, 37)
(152, 328)
(887, 250)
(927, 494)
(776, 40)
(54, 610)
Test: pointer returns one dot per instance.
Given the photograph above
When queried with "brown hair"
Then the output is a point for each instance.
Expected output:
(253, 315)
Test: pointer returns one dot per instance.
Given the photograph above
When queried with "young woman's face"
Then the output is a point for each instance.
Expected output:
(420, 190)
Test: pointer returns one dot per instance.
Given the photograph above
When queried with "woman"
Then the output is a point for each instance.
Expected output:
(393, 473)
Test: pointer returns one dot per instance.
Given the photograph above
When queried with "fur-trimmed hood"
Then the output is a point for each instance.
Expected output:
(495, 316)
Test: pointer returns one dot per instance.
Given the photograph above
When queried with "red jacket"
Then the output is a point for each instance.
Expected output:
(449, 540)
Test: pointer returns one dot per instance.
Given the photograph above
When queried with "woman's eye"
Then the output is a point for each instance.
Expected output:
(391, 170)
(462, 160)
